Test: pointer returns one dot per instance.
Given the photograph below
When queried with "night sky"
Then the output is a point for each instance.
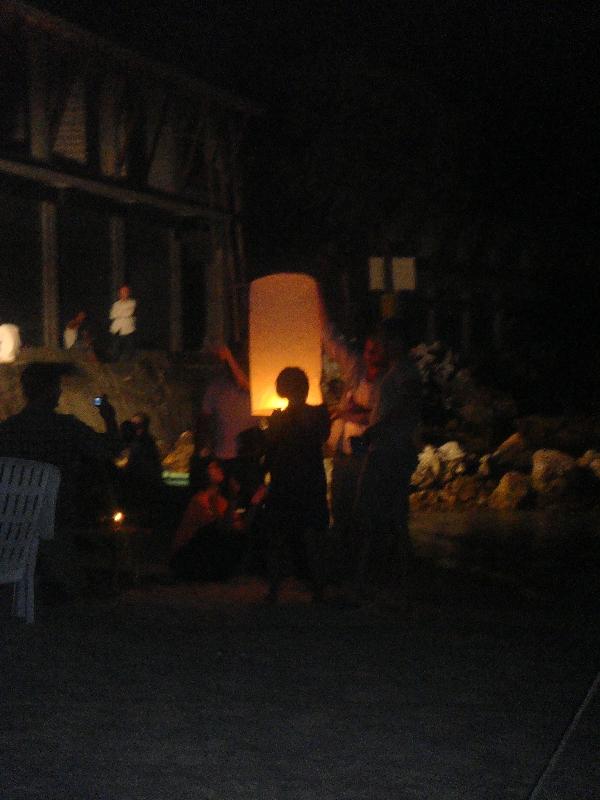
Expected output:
(527, 71)
(337, 148)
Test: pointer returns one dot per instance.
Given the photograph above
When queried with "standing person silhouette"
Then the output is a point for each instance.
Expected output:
(385, 552)
(361, 373)
(296, 511)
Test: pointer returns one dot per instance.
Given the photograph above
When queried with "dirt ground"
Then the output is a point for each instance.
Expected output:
(204, 692)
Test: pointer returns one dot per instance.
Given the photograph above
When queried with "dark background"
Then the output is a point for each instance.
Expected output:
(463, 132)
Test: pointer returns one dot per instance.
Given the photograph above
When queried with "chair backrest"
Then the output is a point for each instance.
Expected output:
(28, 492)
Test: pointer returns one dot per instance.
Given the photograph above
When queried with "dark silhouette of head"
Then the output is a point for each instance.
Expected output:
(127, 431)
(210, 473)
(40, 382)
(141, 423)
(292, 383)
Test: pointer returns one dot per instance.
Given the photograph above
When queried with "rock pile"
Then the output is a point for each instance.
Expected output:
(514, 476)
(480, 452)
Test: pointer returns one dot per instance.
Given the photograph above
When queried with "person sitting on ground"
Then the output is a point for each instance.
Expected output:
(140, 471)
(296, 512)
(209, 541)
(77, 335)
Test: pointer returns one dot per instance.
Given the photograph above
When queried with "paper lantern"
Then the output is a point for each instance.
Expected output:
(284, 331)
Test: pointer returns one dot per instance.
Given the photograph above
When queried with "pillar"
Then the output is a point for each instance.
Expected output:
(117, 253)
(50, 317)
(175, 307)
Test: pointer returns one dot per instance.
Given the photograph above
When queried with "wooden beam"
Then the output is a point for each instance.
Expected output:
(110, 191)
(39, 118)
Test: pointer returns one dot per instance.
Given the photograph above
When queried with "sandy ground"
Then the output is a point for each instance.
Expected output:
(195, 691)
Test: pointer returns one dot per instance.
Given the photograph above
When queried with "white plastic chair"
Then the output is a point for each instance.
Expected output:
(28, 492)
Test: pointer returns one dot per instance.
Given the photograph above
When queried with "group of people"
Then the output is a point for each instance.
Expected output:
(255, 488)
(119, 468)
(78, 335)
(283, 501)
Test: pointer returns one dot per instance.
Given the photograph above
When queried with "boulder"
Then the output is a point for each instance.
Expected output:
(453, 460)
(590, 460)
(511, 493)
(485, 467)
(513, 454)
(552, 472)
(425, 500)
(429, 468)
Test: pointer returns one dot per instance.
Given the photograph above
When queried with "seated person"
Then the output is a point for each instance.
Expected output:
(209, 542)
(77, 335)
(140, 470)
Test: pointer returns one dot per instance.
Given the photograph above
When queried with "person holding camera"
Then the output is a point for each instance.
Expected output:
(40, 433)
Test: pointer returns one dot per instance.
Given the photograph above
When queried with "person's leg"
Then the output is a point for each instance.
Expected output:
(397, 556)
(128, 347)
(313, 545)
(362, 529)
(274, 535)
(346, 474)
(115, 347)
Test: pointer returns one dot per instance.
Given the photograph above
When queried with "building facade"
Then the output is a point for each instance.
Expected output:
(115, 168)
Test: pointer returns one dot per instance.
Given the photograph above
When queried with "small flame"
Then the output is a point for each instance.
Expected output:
(118, 517)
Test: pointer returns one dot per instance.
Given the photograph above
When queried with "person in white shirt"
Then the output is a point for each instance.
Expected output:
(10, 343)
(122, 325)
(77, 335)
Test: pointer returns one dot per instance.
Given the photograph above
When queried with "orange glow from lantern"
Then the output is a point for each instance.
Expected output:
(285, 331)
(118, 517)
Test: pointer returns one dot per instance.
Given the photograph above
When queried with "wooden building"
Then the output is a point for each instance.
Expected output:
(115, 168)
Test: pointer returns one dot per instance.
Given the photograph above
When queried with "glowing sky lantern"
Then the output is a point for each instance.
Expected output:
(284, 332)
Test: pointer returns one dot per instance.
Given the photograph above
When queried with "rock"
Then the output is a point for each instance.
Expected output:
(423, 500)
(512, 454)
(467, 488)
(511, 493)
(428, 469)
(453, 459)
(590, 460)
(552, 472)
